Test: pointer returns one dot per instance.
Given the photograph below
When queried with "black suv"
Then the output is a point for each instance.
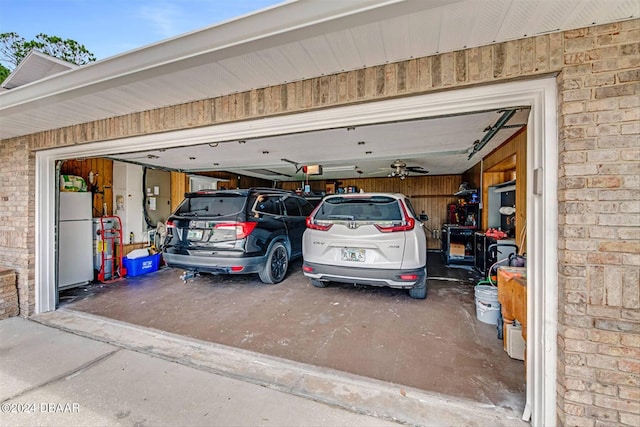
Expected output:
(257, 230)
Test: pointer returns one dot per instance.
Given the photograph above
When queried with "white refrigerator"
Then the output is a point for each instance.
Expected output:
(75, 240)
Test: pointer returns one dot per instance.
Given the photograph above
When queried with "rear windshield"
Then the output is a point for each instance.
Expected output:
(375, 208)
(211, 205)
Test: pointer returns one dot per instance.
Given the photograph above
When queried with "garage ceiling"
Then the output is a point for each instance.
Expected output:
(440, 146)
(292, 41)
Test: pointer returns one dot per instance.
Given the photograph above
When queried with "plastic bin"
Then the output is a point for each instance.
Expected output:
(142, 265)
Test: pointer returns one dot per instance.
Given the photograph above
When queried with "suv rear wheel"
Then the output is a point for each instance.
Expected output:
(419, 291)
(276, 266)
(318, 283)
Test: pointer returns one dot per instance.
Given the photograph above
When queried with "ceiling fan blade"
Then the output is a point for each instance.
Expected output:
(380, 172)
(417, 170)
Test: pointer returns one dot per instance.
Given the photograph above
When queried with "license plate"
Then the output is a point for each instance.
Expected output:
(194, 235)
(356, 255)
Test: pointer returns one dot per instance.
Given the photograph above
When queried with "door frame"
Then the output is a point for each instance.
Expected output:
(542, 207)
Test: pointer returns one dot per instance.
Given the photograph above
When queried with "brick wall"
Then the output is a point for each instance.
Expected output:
(599, 190)
(599, 220)
(17, 217)
(8, 293)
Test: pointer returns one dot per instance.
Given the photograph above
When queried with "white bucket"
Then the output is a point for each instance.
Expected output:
(487, 305)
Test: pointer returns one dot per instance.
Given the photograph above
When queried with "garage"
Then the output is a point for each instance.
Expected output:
(376, 333)
(291, 314)
(262, 87)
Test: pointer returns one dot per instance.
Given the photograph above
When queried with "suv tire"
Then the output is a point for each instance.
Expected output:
(276, 266)
(419, 291)
(318, 283)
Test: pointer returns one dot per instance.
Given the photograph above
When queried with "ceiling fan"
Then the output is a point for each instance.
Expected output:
(400, 169)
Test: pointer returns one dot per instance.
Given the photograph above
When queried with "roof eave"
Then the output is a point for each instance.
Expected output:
(183, 51)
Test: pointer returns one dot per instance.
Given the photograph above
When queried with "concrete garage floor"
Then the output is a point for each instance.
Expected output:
(435, 345)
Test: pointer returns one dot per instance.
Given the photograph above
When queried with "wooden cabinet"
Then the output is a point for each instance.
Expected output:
(512, 295)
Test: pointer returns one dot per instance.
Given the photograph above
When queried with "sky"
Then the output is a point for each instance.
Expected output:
(110, 27)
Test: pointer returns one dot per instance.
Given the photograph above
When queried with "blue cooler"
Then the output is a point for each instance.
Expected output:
(142, 265)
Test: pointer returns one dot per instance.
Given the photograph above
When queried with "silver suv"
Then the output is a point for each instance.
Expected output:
(367, 239)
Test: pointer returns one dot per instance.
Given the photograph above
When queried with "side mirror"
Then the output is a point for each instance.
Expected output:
(423, 217)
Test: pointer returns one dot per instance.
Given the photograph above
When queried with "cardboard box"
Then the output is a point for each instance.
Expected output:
(456, 249)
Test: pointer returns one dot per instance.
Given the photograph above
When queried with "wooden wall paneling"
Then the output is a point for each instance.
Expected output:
(234, 180)
(179, 186)
(506, 163)
(493, 159)
(430, 194)
(103, 192)
(473, 176)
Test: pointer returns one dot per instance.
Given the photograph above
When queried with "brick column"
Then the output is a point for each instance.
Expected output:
(8, 293)
(599, 227)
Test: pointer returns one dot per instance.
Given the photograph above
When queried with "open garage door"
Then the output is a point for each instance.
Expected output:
(539, 96)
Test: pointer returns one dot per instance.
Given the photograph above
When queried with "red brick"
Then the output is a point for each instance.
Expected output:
(628, 365)
(630, 393)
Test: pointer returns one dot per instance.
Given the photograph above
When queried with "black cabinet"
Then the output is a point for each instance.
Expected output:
(485, 258)
(458, 244)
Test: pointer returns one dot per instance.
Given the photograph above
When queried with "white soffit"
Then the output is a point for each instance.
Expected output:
(296, 40)
(36, 66)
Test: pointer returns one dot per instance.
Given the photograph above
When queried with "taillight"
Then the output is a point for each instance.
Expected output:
(312, 224)
(405, 225)
(242, 229)
(411, 277)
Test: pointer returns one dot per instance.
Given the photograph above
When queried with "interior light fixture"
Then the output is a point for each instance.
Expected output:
(361, 142)
(265, 152)
(339, 168)
(242, 141)
(213, 144)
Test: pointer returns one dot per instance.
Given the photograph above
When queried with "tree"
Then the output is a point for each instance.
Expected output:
(4, 72)
(14, 48)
